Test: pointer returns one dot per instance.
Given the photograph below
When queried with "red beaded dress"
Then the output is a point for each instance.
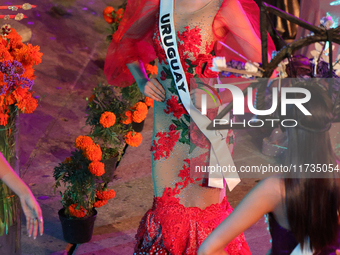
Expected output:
(185, 210)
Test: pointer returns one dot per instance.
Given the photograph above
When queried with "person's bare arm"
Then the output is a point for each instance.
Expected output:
(259, 201)
(151, 88)
(239, 24)
(30, 206)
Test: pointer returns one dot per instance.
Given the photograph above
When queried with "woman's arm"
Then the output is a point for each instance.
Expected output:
(259, 201)
(30, 206)
(242, 30)
(151, 88)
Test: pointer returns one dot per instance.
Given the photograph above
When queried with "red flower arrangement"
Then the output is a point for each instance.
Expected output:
(16, 74)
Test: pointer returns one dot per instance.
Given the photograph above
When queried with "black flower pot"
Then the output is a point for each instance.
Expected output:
(110, 167)
(78, 230)
(138, 127)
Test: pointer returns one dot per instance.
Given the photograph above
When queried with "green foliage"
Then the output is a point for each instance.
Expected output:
(132, 94)
(107, 98)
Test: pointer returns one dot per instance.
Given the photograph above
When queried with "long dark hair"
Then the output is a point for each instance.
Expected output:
(312, 204)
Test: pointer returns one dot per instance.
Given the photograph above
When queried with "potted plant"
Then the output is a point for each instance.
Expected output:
(83, 194)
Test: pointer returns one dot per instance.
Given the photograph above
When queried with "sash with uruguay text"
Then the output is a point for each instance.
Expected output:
(219, 153)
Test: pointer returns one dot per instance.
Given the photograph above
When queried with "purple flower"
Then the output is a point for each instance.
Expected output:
(235, 65)
(13, 71)
(322, 70)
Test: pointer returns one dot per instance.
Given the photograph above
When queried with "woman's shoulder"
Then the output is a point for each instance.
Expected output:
(273, 186)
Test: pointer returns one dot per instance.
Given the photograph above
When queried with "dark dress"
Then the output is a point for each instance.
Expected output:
(283, 241)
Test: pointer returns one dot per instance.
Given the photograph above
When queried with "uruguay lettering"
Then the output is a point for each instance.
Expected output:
(168, 41)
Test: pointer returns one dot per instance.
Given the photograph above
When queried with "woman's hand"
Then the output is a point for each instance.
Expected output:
(196, 98)
(153, 89)
(32, 211)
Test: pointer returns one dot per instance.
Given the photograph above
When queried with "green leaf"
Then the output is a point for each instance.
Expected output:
(192, 147)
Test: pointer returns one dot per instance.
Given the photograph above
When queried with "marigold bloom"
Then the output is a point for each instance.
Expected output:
(140, 106)
(149, 101)
(107, 119)
(15, 40)
(28, 104)
(141, 110)
(107, 14)
(99, 203)
(82, 142)
(3, 119)
(105, 195)
(97, 168)
(120, 13)
(93, 152)
(80, 213)
(133, 140)
(138, 116)
(150, 69)
(128, 116)
(28, 55)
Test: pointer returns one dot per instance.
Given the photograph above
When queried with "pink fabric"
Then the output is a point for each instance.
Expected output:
(133, 40)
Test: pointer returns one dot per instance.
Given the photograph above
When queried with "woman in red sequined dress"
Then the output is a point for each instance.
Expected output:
(185, 209)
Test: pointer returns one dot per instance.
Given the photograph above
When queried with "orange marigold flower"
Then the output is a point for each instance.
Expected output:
(107, 119)
(133, 140)
(67, 160)
(140, 106)
(4, 53)
(150, 69)
(93, 152)
(28, 55)
(107, 14)
(83, 141)
(99, 203)
(141, 110)
(80, 213)
(128, 118)
(120, 13)
(148, 101)
(105, 195)
(97, 168)
(28, 104)
(138, 116)
(10, 99)
(3, 119)
(15, 40)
